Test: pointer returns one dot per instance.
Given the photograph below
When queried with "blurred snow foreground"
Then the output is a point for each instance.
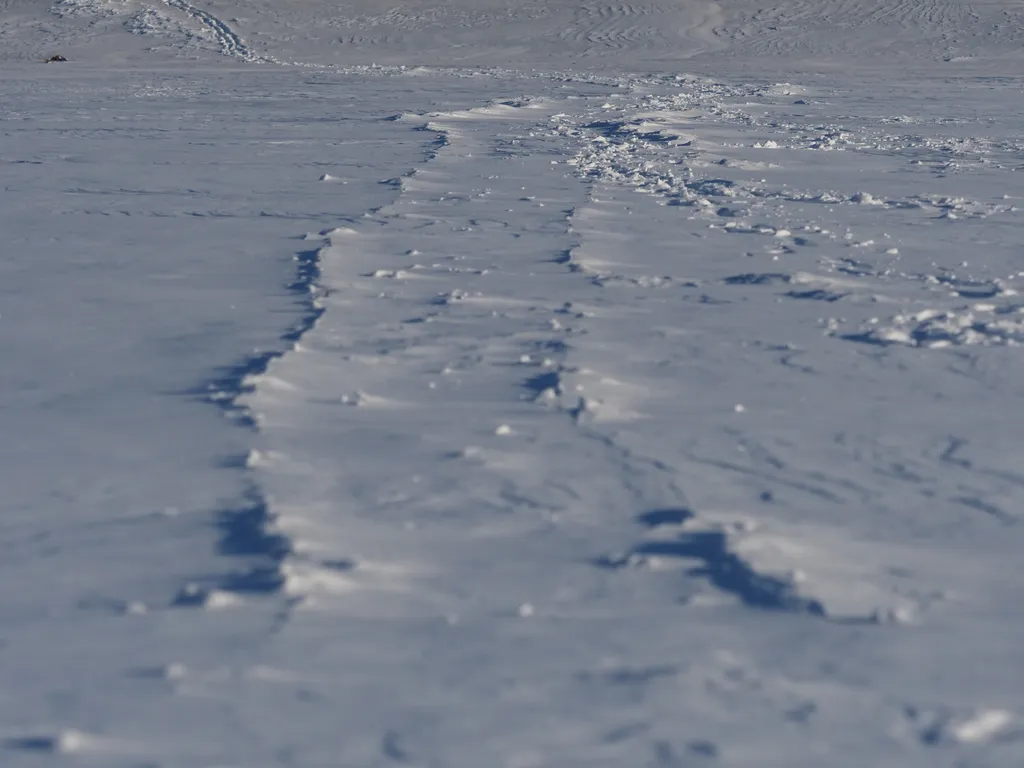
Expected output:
(503, 384)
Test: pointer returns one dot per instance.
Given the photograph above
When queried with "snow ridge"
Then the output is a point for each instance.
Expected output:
(252, 531)
(247, 531)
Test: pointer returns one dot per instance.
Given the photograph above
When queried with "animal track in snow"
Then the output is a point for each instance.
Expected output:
(230, 41)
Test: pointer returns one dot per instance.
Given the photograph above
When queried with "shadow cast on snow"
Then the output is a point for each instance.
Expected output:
(716, 563)
(245, 531)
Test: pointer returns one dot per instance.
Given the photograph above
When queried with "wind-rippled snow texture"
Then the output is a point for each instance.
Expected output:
(646, 35)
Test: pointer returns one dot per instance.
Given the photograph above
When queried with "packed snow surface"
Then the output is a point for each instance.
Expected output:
(527, 385)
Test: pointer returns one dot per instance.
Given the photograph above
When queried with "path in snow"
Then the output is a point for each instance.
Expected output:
(229, 40)
(617, 495)
(635, 420)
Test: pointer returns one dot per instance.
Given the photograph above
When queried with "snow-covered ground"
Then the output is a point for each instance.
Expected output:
(520, 385)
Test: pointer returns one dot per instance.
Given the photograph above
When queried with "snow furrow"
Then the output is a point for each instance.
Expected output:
(451, 343)
(417, 307)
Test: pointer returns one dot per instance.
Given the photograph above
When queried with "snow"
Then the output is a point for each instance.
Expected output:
(492, 384)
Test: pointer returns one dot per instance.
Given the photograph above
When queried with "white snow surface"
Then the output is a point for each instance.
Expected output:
(519, 385)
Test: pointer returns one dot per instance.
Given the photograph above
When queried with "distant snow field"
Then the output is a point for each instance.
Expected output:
(528, 385)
